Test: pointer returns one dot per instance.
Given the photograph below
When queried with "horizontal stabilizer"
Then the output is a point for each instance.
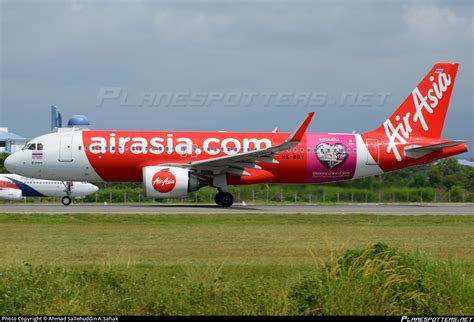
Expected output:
(417, 151)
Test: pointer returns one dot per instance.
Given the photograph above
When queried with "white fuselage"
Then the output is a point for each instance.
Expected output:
(14, 187)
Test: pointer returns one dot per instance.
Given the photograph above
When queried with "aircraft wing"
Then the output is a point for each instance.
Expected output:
(417, 151)
(235, 164)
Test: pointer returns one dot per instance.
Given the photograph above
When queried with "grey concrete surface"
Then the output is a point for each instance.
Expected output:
(380, 209)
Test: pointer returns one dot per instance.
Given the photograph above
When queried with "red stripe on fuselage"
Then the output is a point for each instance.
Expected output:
(7, 184)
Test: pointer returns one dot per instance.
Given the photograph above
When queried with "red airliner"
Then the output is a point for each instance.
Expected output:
(172, 164)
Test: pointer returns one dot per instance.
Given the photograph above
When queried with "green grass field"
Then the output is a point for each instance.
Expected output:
(235, 264)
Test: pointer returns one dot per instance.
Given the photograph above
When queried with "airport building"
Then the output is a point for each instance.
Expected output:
(10, 142)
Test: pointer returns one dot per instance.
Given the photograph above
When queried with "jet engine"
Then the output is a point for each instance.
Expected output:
(10, 194)
(169, 182)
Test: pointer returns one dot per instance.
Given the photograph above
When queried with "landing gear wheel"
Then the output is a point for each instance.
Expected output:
(224, 199)
(218, 198)
(66, 200)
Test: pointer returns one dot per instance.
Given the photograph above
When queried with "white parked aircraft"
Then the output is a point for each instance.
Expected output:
(15, 187)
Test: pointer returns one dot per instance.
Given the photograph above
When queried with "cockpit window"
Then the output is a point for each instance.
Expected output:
(33, 146)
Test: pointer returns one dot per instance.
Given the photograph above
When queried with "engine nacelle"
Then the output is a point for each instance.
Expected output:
(169, 182)
(10, 194)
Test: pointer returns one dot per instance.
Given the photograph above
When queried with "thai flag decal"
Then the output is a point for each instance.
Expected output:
(37, 154)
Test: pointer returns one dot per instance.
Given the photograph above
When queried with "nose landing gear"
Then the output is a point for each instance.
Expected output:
(66, 200)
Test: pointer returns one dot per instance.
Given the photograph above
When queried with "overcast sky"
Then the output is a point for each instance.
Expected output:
(65, 52)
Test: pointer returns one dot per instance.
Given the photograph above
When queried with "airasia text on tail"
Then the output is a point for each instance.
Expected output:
(400, 132)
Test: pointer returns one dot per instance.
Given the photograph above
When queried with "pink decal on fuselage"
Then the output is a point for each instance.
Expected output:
(332, 157)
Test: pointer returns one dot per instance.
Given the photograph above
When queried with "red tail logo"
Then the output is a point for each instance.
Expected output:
(421, 115)
(163, 181)
(422, 104)
(420, 118)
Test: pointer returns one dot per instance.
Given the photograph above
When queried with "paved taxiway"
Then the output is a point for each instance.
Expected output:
(380, 209)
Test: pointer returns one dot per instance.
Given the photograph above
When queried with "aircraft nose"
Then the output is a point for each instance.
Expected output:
(93, 188)
(10, 163)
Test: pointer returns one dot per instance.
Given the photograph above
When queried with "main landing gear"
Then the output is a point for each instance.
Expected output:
(224, 199)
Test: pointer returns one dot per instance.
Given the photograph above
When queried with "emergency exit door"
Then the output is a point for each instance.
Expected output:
(373, 154)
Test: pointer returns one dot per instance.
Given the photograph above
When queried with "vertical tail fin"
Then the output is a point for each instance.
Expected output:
(419, 118)
(423, 112)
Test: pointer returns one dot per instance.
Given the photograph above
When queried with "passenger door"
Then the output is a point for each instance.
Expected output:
(65, 149)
